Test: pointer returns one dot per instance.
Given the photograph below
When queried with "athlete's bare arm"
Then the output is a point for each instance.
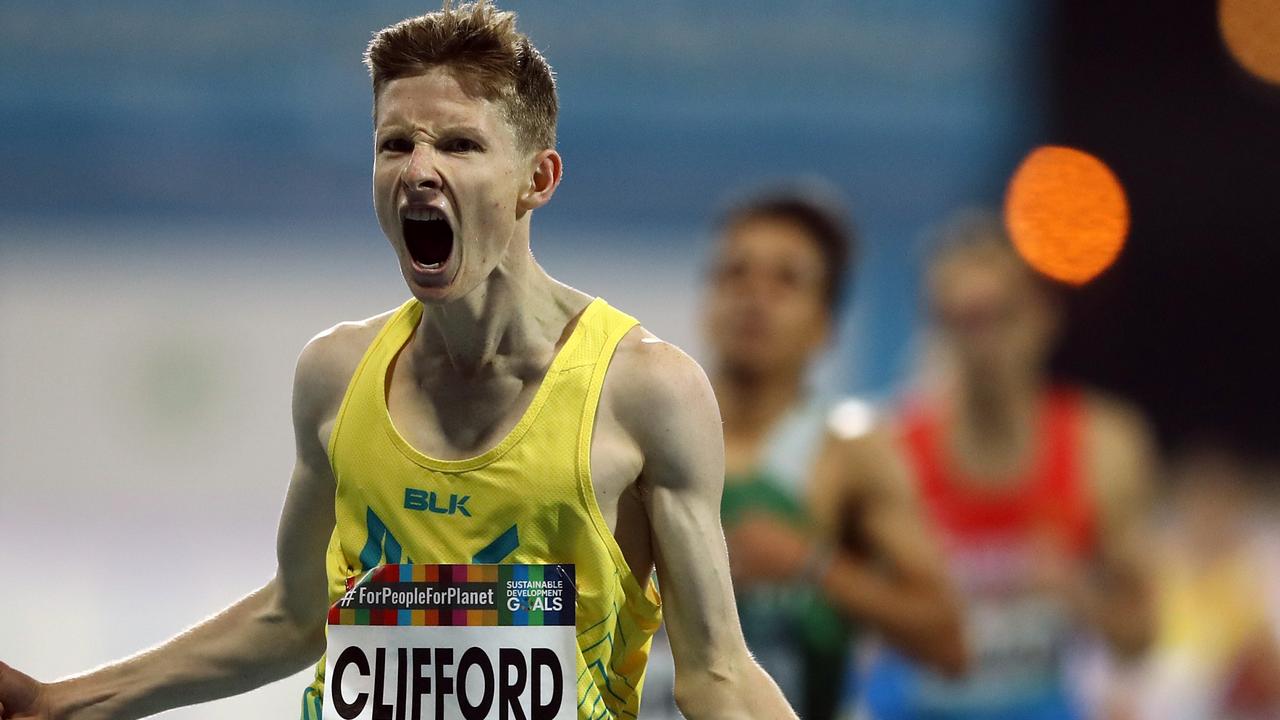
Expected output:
(1121, 462)
(665, 402)
(270, 634)
(895, 580)
(885, 571)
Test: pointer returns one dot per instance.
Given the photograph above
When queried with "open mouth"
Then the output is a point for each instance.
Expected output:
(428, 238)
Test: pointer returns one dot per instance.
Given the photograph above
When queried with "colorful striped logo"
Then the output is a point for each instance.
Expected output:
(459, 595)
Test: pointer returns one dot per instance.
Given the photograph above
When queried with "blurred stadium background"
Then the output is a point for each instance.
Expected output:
(184, 201)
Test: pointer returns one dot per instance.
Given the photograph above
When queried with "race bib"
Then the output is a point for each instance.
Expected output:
(453, 642)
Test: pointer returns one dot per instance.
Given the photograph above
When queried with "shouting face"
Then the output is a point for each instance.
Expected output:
(451, 186)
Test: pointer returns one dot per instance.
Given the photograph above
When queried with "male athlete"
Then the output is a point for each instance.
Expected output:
(1039, 492)
(574, 435)
(773, 297)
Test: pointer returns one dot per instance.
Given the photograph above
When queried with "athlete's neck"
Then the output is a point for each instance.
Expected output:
(994, 418)
(751, 404)
(518, 313)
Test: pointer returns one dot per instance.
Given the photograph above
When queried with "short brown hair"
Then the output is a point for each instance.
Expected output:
(979, 233)
(965, 231)
(492, 59)
(818, 210)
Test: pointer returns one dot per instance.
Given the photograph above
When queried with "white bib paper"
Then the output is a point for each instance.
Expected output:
(454, 642)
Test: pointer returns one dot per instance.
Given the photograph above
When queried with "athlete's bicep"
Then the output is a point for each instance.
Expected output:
(894, 516)
(681, 438)
(307, 519)
(1122, 468)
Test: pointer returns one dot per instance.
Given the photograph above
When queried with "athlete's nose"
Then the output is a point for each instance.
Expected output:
(421, 172)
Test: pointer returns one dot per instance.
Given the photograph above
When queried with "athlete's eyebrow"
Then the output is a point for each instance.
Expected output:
(390, 128)
(460, 129)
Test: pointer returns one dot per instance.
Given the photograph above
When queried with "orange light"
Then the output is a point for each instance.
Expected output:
(1066, 214)
(1251, 31)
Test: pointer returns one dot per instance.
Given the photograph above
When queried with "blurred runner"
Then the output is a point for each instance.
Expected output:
(1038, 490)
(1216, 653)
(773, 298)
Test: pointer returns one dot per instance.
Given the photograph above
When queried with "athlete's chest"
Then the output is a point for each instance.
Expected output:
(448, 416)
(524, 416)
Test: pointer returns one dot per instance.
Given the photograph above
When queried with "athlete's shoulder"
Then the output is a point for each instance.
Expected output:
(653, 371)
(1110, 415)
(863, 454)
(328, 361)
(1119, 449)
(660, 395)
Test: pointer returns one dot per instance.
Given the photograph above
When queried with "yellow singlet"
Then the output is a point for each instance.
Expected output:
(527, 500)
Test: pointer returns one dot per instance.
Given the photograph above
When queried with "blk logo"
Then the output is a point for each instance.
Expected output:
(431, 501)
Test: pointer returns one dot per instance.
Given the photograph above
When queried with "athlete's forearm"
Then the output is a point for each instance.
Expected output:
(741, 692)
(1121, 612)
(251, 643)
(925, 624)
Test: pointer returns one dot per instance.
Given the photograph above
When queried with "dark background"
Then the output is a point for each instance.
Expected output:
(1185, 322)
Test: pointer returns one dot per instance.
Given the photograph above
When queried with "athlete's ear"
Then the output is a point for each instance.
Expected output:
(547, 170)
